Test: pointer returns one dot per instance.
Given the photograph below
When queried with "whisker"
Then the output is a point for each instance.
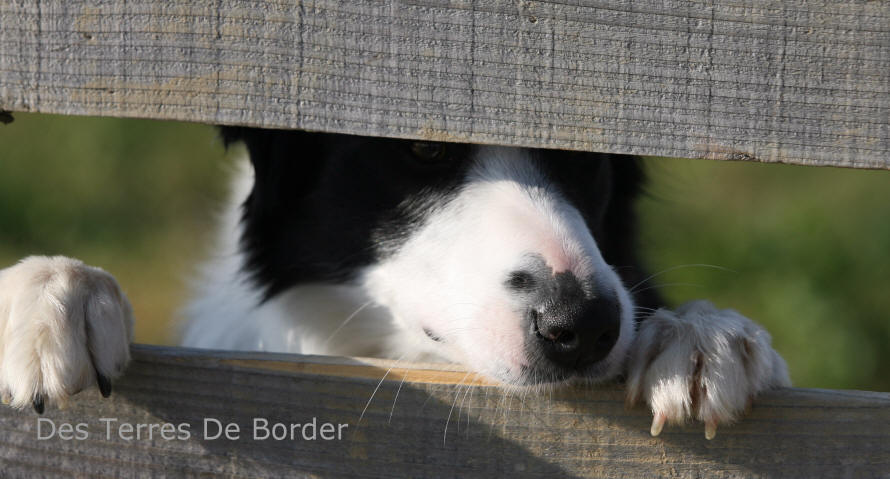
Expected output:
(550, 391)
(376, 389)
(459, 411)
(663, 285)
(632, 289)
(346, 321)
(507, 408)
(393, 408)
(496, 407)
(643, 308)
(427, 400)
(469, 408)
(447, 421)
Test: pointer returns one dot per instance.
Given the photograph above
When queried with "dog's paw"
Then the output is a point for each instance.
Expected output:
(703, 363)
(64, 326)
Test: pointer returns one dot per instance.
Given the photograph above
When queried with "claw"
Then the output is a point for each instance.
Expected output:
(104, 385)
(657, 424)
(38, 403)
(710, 429)
(6, 398)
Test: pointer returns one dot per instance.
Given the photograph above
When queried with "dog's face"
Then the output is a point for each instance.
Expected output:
(488, 256)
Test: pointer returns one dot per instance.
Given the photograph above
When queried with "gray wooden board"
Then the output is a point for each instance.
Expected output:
(439, 422)
(795, 81)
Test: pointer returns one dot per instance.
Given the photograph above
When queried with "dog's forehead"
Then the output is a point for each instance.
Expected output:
(350, 145)
(557, 166)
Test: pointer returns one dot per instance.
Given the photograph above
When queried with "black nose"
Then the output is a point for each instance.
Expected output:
(570, 327)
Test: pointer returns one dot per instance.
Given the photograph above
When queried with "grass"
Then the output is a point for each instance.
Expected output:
(808, 248)
(131, 196)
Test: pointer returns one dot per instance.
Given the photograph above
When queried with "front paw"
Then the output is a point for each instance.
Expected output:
(703, 363)
(64, 326)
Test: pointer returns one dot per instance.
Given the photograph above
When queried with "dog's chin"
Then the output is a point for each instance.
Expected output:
(549, 377)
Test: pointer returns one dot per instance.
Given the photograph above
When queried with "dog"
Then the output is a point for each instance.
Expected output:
(519, 263)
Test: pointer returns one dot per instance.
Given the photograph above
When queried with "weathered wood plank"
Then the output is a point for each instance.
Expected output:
(429, 425)
(791, 81)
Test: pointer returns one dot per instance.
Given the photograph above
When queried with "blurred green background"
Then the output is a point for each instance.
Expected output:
(808, 248)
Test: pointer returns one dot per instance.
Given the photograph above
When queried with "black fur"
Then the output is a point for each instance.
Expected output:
(324, 205)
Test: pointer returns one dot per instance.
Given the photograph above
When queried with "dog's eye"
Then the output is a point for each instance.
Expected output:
(429, 151)
(521, 281)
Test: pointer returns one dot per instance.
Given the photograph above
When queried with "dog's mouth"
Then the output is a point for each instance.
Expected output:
(546, 375)
(540, 367)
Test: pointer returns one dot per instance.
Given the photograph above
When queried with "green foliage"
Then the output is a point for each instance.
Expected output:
(808, 247)
(131, 196)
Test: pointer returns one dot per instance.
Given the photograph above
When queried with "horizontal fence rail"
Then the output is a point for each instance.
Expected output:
(193, 413)
(796, 81)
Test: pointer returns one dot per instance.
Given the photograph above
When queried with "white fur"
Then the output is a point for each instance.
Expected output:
(227, 312)
(720, 356)
(61, 322)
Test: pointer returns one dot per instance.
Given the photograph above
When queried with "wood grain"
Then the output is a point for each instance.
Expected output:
(431, 425)
(793, 81)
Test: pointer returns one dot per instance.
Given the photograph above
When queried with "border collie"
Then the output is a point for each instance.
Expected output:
(519, 263)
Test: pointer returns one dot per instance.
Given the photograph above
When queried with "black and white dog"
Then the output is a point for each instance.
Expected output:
(515, 262)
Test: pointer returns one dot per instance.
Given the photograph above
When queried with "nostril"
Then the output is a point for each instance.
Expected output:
(607, 339)
(555, 334)
(565, 337)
